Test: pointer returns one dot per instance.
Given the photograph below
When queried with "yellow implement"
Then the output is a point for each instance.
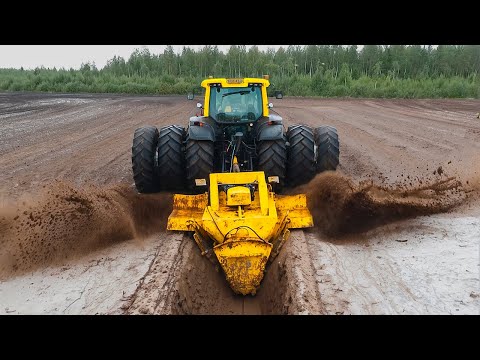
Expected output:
(243, 221)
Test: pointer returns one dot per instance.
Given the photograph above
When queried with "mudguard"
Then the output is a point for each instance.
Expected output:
(270, 128)
(201, 128)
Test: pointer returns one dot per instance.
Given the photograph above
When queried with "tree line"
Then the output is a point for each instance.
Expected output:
(313, 70)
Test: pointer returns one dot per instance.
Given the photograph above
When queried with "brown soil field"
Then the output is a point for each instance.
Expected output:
(397, 226)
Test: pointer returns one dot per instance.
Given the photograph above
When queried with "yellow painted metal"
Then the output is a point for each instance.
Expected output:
(233, 83)
(242, 178)
(238, 195)
(295, 207)
(187, 209)
(239, 82)
(242, 235)
(243, 262)
(222, 223)
(235, 167)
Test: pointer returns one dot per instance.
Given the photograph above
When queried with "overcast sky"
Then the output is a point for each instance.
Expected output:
(72, 56)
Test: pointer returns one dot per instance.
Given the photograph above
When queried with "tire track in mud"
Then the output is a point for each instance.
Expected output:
(86, 137)
(390, 146)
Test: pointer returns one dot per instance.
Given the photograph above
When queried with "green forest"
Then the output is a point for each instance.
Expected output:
(374, 71)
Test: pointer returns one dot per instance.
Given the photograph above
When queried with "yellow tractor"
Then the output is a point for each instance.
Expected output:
(233, 161)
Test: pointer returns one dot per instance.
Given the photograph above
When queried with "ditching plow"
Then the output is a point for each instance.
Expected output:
(242, 221)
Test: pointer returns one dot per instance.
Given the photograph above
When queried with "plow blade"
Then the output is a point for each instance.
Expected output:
(243, 222)
(186, 210)
(295, 207)
(243, 262)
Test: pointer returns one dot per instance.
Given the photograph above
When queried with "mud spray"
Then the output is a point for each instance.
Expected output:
(340, 206)
(64, 221)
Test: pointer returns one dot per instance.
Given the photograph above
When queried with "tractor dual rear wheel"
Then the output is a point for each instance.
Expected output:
(145, 140)
(171, 158)
(158, 159)
(199, 157)
(272, 159)
(328, 148)
(301, 155)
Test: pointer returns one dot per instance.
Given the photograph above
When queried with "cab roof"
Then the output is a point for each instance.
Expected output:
(235, 82)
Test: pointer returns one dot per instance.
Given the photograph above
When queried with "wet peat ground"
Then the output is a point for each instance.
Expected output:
(394, 233)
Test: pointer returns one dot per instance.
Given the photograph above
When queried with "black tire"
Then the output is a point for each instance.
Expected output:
(199, 157)
(301, 155)
(144, 146)
(171, 158)
(272, 159)
(328, 148)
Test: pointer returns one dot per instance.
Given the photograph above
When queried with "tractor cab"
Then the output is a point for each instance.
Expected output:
(236, 104)
(229, 101)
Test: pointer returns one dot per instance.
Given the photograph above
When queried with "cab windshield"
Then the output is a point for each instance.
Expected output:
(239, 104)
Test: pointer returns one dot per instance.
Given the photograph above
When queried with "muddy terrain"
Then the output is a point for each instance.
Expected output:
(397, 227)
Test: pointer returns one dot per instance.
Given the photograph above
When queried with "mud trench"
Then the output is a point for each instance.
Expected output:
(198, 286)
